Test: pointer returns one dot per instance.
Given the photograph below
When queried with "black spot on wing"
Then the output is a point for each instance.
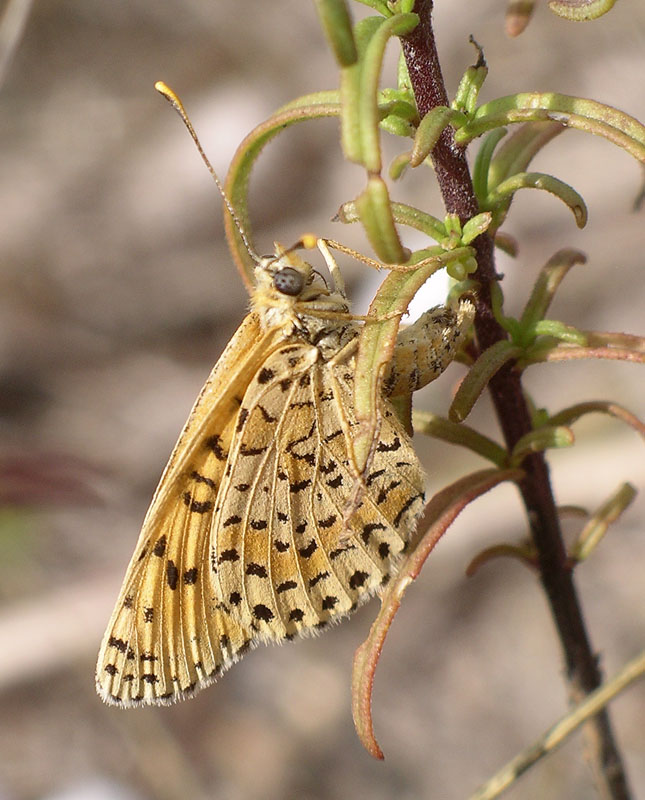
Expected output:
(308, 550)
(358, 579)
(229, 555)
(213, 443)
(382, 495)
(317, 578)
(369, 529)
(265, 375)
(262, 612)
(256, 569)
(245, 450)
(299, 486)
(196, 506)
(285, 586)
(328, 522)
(190, 576)
(382, 447)
(172, 575)
(160, 547)
(329, 602)
(409, 502)
(203, 479)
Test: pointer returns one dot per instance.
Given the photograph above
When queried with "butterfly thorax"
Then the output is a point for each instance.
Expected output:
(292, 297)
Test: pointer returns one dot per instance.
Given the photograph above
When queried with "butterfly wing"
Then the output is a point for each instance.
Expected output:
(169, 632)
(285, 562)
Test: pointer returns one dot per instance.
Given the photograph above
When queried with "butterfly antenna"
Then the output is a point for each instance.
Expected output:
(176, 103)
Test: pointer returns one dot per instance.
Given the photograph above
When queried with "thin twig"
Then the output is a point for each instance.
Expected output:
(556, 735)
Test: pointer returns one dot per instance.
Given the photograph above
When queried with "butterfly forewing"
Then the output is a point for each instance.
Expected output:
(168, 630)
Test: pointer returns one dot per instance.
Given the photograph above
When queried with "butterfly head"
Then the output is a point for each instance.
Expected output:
(288, 290)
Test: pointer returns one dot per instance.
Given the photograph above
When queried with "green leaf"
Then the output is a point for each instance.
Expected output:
(547, 283)
(370, 73)
(481, 170)
(457, 433)
(581, 10)
(572, 112)
(313, 106)
(430, 129)
(500, 198)
(488, 363)
(519, 149)
(547, 437)
(373, 207)
(337, 25)
(599, 523)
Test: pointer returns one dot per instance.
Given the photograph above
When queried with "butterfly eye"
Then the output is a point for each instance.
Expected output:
(289, 281)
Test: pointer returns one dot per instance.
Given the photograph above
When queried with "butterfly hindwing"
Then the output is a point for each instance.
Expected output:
(285, 561)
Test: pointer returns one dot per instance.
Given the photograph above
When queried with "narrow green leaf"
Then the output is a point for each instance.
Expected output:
(481, 170)
(322, 104)
(488, 363)
(573, 112)
(519, 149)
(336, 22)
(559, 330)
(599, 523)
(547, 437)
(430, 129)
(375, 349)
(373, 207)
(350, 92)
(370, 73)
(457, 433)
(501, 197)
(573, 413)
(547, 283)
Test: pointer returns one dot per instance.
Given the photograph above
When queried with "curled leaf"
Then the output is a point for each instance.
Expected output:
(547, 283)
(519, 149)
(581, 10)
(600, 521)
(499, 199)
(573, 112)
(525, 554)
(322, 104)
(439, 514)
(573, 413)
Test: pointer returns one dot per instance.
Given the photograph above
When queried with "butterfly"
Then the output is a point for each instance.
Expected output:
(246, 540)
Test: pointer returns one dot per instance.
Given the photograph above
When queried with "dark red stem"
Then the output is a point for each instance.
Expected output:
(514, 417)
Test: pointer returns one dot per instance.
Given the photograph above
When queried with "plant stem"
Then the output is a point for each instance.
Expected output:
(452, 172)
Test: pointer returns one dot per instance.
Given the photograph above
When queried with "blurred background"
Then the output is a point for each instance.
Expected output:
(117, 295)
